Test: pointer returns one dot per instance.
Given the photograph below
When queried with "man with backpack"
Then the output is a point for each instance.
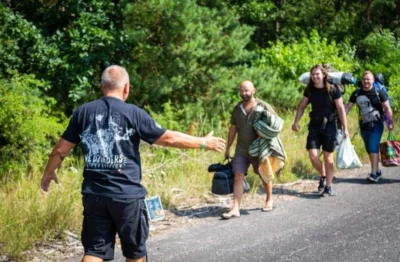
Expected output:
(326, 106)
(374, 108)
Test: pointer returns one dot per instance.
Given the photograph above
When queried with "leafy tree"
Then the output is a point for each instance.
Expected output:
(182, 51)
(69, 48)
(23, 48)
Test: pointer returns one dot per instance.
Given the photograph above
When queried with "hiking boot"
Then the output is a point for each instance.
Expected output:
(321, 185)
(328, 190)
(373, 178)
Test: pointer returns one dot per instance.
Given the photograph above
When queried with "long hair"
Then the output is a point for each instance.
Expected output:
(327, 85)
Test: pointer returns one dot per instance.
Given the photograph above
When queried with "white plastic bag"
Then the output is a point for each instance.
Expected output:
(346, 155)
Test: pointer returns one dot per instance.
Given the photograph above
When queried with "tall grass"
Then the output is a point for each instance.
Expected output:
(29, 216)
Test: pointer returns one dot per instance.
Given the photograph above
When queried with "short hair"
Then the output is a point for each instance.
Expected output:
(114, 77)
(368, 73)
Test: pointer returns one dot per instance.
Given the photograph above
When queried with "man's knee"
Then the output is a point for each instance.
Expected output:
(328, 157)
(313, 156)
(239, 178)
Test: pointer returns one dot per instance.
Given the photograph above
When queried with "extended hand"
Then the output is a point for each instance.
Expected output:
(214, 143)
(46, 180)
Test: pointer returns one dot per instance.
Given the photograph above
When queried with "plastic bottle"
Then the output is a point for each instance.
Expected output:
(390, 151)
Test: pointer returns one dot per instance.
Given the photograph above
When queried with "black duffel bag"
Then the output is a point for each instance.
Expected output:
(222, 183)
(223, 180)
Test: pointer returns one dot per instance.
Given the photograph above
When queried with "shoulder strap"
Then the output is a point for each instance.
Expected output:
(377, 88)
(358, 91)
(332, 92)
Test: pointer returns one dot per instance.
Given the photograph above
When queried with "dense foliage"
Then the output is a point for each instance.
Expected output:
(185, 57)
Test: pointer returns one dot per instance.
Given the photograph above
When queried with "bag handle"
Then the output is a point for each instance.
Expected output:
(391, 136)
(229, 159)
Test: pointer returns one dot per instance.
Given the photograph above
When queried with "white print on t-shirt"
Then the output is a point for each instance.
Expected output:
(367, 112)
(99, 147)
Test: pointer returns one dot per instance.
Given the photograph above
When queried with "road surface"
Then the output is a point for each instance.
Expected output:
(361, 223)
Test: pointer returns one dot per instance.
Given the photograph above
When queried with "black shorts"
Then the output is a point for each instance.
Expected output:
(318, 137)
(104, 217)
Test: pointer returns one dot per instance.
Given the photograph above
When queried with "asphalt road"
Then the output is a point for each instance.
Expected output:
(361, 223)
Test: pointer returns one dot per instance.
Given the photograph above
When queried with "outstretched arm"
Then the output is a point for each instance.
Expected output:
(181, 140)
(60, 151)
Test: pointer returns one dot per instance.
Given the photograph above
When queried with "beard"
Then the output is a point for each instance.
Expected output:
(246, 97)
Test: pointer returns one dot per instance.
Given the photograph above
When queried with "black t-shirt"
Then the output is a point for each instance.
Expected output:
(110, 131)
(322, 102)
(376, 98)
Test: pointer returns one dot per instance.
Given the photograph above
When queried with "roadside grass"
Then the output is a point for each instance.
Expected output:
(29, 216)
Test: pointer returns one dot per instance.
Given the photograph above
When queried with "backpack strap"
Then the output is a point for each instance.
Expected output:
(377, 88)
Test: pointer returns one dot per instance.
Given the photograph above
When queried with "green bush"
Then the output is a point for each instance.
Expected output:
(28, 126)
(291, 60)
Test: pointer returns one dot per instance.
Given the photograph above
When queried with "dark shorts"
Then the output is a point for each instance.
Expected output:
(318, 137)
(104, 217)
(240, 164)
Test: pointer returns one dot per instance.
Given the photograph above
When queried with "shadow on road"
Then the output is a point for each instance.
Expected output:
(357, 180)
(297, 193)
(200, 212)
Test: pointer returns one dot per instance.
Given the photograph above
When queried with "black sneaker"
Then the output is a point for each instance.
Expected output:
(373, 178)
(321, 185)
(378, 174)
(328, 190)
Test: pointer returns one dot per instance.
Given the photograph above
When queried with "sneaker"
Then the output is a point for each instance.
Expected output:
(328, 190)
(378, 174)
(373, 178)
(321, 185)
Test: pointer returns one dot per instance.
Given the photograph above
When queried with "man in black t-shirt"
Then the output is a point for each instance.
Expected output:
(326, 106)
(373, 105)
(109, 131)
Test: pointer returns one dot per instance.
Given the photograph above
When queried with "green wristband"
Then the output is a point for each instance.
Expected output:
(203, 143)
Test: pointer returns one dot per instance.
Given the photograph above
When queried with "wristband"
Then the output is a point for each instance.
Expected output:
(203, 143)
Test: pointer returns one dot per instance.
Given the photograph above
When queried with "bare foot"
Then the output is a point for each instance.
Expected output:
(269, 206)
(230, 214)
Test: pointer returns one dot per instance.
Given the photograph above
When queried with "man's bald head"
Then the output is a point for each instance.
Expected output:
(247, 90)
(114, 77)
(247, 84)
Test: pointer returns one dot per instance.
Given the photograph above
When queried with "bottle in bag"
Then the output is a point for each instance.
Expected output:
(390, 152)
